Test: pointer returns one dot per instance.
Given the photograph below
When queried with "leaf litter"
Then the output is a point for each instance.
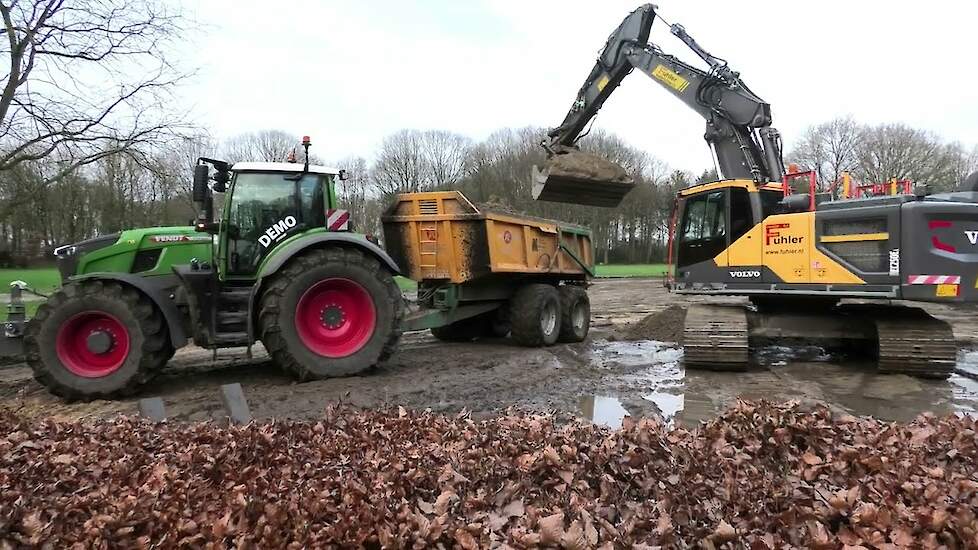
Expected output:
(762, 475)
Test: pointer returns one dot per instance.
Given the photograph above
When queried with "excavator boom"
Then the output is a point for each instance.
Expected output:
(738, 123)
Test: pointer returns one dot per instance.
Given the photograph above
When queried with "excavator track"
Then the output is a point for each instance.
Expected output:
(913, 342)
(716, 337)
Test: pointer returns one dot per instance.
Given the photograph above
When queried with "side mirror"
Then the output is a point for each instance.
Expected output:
(344, 175)
(200, 183)
(221, 179)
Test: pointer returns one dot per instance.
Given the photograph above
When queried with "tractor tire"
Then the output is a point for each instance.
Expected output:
(96, 340)
(330, 312)
(575, 319)
(534, 315)
(464, 330)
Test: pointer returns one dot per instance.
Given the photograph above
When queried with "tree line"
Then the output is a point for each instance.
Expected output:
(151, 186)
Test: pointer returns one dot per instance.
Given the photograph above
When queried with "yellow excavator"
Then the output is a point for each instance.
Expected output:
(795, 255)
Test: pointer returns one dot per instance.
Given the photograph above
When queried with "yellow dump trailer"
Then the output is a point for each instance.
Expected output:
(484, 272)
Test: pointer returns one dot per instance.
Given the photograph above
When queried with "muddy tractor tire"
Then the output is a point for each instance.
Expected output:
(464, 330)
(96, 340)
(575, 320)
(534, 315)
(330, 312)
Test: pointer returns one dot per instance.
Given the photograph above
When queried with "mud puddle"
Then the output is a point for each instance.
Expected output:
(647, 378)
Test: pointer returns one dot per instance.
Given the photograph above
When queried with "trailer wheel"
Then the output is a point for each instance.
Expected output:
(330, 312)
(535, 315)
(96, 340)
(464, 330)
(575, 320)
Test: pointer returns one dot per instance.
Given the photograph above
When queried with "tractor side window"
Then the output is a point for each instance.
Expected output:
(313, 200)
(741, 217)
(258, 201)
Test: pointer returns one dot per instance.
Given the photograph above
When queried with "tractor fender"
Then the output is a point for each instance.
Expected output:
(280, 257)
(155, 291)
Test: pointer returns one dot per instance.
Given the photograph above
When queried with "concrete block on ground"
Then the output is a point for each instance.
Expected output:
(152, 408)
(235, 403)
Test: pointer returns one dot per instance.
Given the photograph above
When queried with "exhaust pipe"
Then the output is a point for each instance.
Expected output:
(580, 178)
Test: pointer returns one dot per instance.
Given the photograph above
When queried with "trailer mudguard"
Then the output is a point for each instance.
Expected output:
(283, 255)
(156, 289)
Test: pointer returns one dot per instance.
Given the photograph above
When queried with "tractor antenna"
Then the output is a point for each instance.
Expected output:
(305, 145)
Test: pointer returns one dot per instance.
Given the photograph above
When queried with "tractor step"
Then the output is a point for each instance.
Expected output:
(235, 295)
(231, 339)
(715, 337)
(231, 317)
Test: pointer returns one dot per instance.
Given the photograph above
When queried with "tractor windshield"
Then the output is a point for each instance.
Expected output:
(265, 209)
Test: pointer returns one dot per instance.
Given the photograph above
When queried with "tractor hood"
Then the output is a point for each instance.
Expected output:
(147, 251)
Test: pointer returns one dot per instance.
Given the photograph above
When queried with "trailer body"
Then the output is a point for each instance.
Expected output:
(470, 261)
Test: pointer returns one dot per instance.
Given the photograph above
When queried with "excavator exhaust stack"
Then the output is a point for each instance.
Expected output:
(576, 177)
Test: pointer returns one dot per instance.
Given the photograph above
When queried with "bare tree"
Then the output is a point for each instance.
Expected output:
(264, 145)
(86, 79)
(414, 160)
(829, 149)
(446, 155)
(899, 151)
(401, 165)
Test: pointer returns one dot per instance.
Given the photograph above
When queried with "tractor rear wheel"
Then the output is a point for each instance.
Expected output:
(534, 315)
(96, 340)
(575, 320)
(330, 312)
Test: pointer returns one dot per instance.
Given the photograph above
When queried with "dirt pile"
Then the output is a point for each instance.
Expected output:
(664, 326)
(760, 476)
(579, 165)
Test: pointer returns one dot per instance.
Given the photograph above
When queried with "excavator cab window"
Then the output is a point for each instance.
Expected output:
(741, 215)
(704, 228)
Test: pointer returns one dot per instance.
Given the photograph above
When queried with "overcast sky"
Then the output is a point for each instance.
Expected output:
(350, 72)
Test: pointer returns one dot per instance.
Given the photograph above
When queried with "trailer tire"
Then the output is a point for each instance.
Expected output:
(330, 312)
(464, 330)
(534, 314)
(575, 319)
(131, 340)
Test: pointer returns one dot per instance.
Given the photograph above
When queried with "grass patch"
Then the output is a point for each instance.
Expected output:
(404, 283)
(44, 279)
(632, 270)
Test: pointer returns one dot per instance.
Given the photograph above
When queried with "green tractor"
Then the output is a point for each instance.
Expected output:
(280, 266)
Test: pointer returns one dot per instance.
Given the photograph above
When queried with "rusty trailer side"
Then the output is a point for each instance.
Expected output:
(485, 272)
(443, 236)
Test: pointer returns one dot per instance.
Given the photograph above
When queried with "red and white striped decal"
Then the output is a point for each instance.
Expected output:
(934, 280)
(337, 220)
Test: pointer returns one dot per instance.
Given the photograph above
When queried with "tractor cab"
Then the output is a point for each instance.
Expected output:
(265, 205)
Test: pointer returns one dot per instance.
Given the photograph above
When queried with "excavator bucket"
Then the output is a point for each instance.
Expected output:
(580, 178)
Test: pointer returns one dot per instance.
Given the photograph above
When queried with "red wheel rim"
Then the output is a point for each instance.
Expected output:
(92, 344)
(335, 317)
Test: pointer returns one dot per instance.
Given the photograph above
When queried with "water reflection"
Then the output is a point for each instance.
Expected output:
(603, 410)
(649, 379)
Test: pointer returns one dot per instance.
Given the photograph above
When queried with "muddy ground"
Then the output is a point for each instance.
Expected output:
(603, 378)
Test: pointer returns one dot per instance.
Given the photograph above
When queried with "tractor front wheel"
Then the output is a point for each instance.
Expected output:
(330, 312)
(96, 340)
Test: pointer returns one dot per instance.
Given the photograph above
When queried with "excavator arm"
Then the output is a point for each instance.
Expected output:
(738, 123)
